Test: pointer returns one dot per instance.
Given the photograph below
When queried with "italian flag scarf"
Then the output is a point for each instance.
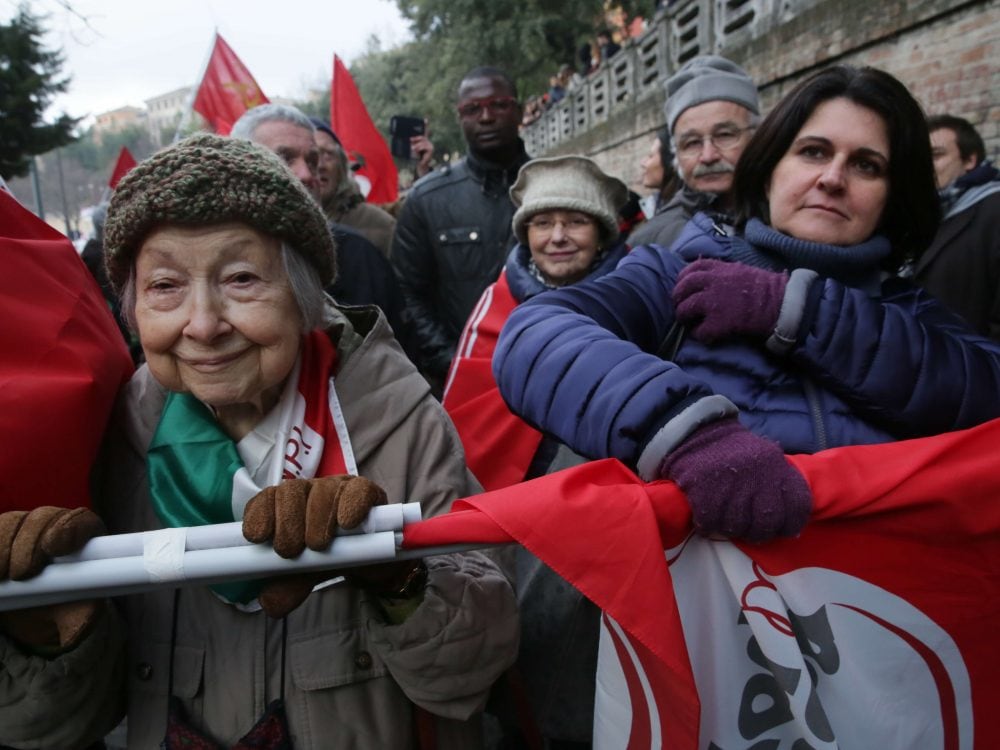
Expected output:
(196, 474)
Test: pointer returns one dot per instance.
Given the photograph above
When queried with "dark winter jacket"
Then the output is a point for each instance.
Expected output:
(452, 237)
(861, 362)
(665, 226)
(962, 266)
(364, 277)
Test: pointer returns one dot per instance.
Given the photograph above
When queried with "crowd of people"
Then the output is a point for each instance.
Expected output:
(817, 276)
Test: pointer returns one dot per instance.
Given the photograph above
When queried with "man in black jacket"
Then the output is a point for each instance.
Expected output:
(454, 231)
(711, 110)
(962, 265)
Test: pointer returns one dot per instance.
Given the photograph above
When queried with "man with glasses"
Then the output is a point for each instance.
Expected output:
(454, 231)
(711, 112)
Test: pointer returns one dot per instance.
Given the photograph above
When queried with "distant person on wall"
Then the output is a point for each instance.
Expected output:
(711, 111)
(962, 266)
(340, 195)
(453, 233)
(607, 45)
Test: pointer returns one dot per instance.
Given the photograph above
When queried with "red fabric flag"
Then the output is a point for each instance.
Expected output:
(62, 364)
(125, 162)
(874, 628)
(363, 143)
(498, 444)
(227, 89)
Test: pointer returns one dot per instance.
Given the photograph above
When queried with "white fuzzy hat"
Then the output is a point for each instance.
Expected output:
(566, 183)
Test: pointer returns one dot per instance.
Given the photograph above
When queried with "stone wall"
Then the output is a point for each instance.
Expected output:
(947, 52)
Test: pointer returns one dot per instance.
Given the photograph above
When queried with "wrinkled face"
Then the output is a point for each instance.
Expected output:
(652, 167)
(296, 146)
(832, 184)
(708, 141)
(329, 169)
(563, 245)
(948, 162)
(215, 313)
(492, 119)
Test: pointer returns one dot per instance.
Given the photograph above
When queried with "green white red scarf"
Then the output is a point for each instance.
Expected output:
(196, 475)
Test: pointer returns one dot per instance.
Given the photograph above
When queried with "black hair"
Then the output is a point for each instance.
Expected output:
(912, 211)
(494, 74)
(969, 141)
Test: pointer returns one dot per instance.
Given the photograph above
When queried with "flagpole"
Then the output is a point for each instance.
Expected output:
(189, 107)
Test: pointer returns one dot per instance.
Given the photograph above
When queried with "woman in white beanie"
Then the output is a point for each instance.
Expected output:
(566, 224)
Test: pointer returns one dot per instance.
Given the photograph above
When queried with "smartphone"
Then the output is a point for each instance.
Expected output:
(402, 128)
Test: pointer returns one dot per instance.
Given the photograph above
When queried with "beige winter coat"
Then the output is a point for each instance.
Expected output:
(349, 678)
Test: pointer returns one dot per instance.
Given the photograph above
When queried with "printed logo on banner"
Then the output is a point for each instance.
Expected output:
(813, 658)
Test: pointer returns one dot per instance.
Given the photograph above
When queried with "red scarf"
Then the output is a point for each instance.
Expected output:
(499, 445)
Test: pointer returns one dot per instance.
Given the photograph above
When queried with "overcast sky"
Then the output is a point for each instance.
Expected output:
(126, 51)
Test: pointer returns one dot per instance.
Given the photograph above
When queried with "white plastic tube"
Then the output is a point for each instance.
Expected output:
(164, 565)
(381, 518)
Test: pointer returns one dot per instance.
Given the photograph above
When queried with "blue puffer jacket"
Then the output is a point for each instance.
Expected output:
(853, 361)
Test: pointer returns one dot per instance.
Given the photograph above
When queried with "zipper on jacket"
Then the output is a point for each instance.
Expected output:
(819, 426)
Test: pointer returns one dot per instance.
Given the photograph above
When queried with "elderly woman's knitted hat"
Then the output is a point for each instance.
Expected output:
(708, 78)
(210, 179)
(566, 183)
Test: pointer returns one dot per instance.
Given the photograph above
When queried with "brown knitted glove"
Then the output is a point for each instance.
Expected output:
(300, 513)
(28, 542)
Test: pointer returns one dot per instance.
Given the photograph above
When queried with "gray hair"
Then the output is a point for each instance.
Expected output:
(313, 303)
(247, 125)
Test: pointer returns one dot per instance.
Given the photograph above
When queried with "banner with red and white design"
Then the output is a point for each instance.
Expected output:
(874, 628)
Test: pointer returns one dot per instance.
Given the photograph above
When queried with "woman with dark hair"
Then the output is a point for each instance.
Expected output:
(659, 173)
(707, 363)
(911, 213)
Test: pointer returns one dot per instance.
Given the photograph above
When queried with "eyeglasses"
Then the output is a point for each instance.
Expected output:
(571, 225)
(723, 139)
(497, 105)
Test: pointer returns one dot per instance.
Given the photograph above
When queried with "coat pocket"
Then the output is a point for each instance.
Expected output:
(332, 660)
(460, 251)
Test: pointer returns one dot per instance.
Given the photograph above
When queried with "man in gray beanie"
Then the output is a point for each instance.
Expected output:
(711, 110)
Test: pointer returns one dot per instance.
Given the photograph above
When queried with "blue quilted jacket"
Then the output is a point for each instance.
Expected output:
(855, 359)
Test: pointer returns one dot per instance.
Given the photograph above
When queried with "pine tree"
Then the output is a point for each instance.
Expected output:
(30, 76)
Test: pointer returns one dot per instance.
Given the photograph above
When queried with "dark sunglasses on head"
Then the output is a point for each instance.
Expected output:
(496, 104)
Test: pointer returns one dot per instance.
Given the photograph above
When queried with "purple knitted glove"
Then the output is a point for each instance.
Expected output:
(719, 299)
(738, 484)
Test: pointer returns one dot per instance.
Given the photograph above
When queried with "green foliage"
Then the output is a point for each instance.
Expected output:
(29, 79)
(529, 39)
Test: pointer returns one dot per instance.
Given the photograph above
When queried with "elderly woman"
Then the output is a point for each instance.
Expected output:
(566, 224)
(706, 363)
(259, 394)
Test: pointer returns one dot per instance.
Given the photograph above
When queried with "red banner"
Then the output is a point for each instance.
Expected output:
(62, 364)
(874, 628)
(227, 89)
(125, 162)
(361, 140)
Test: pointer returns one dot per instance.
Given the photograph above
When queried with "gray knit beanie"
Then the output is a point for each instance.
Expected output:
(567, 183)
(705, 79)
(209, 179)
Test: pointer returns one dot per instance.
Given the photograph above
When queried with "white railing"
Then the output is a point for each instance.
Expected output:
(685, 30)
